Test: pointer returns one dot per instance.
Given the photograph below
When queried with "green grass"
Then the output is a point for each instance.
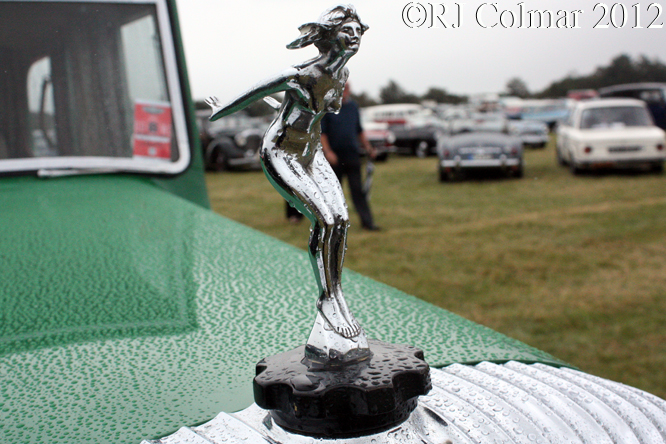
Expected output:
(575, 266)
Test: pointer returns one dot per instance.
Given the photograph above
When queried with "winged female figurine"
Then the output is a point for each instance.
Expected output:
(293, 160)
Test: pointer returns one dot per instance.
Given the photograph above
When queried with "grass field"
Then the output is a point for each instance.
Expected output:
(575, 266)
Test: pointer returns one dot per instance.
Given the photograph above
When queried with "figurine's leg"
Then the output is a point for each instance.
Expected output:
(334, 245)
(329, 219)
(326, 248)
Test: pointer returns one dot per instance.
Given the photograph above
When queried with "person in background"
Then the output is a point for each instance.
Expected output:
(293, 215)
(341, 135)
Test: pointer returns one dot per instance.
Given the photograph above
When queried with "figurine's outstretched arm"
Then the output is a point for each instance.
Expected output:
(282, 82)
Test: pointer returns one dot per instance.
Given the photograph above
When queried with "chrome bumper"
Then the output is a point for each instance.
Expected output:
(618, 163)
(501, 162)
(534, 139)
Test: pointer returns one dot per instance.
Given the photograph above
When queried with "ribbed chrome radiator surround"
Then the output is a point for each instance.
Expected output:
(485, 403)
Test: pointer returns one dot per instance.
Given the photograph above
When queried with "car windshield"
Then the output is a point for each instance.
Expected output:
(85, 85)
(614, 117)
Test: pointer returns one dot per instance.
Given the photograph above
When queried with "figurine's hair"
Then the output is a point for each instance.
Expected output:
(322, 32)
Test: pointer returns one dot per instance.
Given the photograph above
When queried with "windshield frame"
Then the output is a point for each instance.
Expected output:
(106, 164)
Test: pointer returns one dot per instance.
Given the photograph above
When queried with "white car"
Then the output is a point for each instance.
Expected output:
(610, 133)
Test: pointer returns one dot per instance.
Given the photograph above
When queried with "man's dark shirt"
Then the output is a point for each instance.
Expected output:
(342, 131)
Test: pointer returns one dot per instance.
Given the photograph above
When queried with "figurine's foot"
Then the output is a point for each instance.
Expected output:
(327, 347)
(345, 311)
(342, 323)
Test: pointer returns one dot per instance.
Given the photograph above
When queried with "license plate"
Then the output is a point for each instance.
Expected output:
(624, 149)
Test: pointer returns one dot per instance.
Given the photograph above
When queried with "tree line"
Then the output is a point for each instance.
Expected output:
(621, 69)
(394, 93)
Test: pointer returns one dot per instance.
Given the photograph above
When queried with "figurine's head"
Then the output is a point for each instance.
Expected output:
(339, 27)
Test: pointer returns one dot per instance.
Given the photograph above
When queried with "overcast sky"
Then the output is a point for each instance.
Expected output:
(230, 45)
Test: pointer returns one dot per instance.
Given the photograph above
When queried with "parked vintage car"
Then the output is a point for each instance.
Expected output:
(610, 133)
(231, 143)
(380, 137)
(458, 119)
(129, 311)
(489, 122)
(532, 133)
(415, 127)
(479, 151)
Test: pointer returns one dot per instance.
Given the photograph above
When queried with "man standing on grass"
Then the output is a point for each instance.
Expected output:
(340, 137)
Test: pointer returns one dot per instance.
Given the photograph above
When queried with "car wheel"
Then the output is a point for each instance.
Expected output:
(575, 169)
(657, 167)
(218, 161)
(560, 159)
(217, 154)
(519, 172)
(422, 149)
(452, 175)
(443, 175)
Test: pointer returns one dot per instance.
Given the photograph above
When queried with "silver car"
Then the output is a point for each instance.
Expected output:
(481, 152)
(531, 132)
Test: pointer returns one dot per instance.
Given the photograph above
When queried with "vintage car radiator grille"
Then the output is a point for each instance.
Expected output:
(485, 403)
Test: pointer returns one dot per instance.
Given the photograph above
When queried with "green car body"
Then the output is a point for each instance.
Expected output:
(128, 312)
(128, 309)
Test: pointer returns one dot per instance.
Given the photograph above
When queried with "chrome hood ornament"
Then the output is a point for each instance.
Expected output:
(339, 384)
(293, 160)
